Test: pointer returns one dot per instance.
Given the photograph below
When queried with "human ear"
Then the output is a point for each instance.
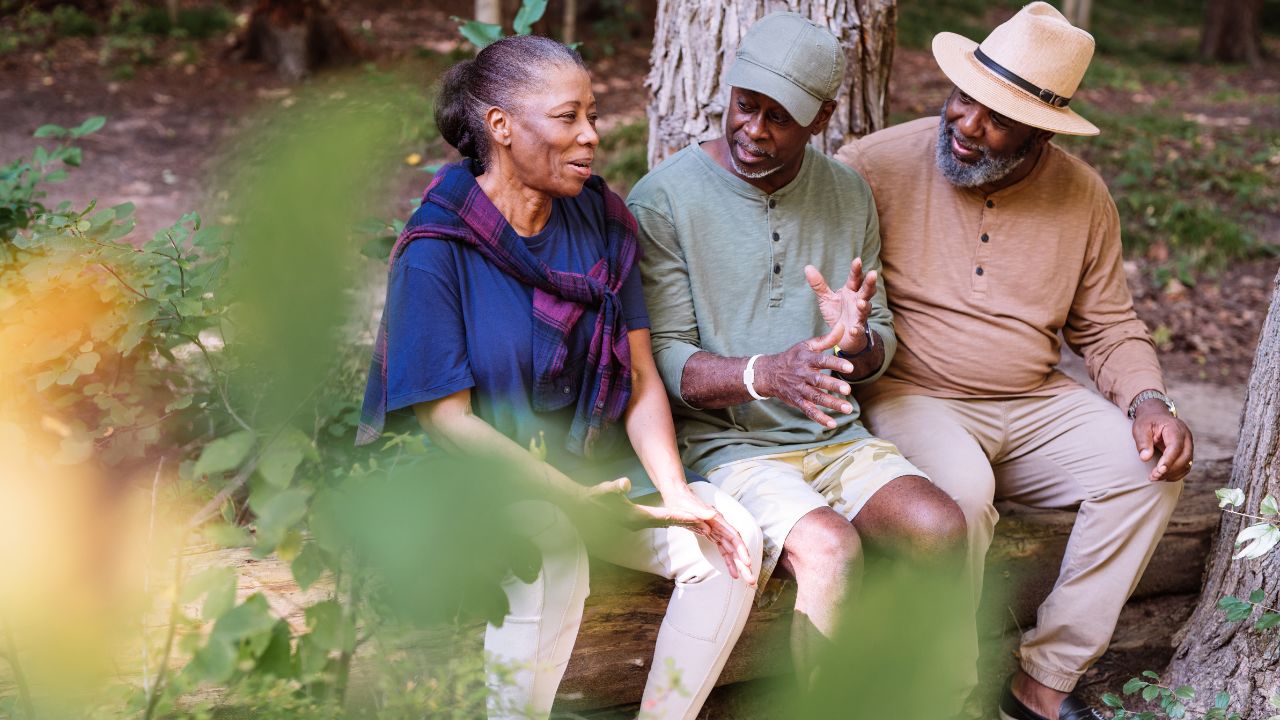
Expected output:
(498, 123)
(820, 120)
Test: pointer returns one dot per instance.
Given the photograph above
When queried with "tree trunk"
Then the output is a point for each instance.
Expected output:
(295, 36)
(1078, 11)
(1232, 31)
(489, 11)
(693, 47)
(1215, 654)
(569, 23)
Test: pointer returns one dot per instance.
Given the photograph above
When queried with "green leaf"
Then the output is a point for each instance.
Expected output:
(180, 404)
(87, 362)
(92, 125)
(1134, 685)
(281, 512)
(225, 453)
(248, 618)
(1112, 700)
(1235, 608)
(54, 131)
(281, 458)
(218, 587)
(480, 34)
(1257, 596)
(1268, 621)
(530, 12)
(227, 535)
(1221, 700)
(1151, 674)
(308, 566)
(1184, 692)
(378, 248)
(1233, 497)
(1150, 692)
(1269, 506)
(329, 627)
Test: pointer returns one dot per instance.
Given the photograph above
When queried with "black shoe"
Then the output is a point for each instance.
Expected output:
(1073, 708)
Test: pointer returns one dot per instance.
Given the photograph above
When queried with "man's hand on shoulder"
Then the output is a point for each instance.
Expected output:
(795, 376)
(1157, 432)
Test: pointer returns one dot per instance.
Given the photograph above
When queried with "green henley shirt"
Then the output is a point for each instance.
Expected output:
(723, 266)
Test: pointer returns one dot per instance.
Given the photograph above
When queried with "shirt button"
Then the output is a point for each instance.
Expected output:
(776, 237)
(991, 203)
(777, 269)
(979, 271)
(565, 389)
(984, 237)
(773, 203)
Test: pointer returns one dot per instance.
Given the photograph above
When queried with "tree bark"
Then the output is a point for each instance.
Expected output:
(1215, 654)
(1232, 31)
(693, 47)
(489, 11)
(1078, 11)
(295, 36)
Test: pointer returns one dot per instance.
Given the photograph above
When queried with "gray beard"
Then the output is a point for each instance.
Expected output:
(985, 170)
(733, 159)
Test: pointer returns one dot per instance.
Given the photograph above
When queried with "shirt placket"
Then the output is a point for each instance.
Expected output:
(980, 272)
(777, 249)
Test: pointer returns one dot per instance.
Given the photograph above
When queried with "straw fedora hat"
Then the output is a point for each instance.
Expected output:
(1027, 69)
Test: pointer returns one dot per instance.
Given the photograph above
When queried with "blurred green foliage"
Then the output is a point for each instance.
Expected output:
(625, 154)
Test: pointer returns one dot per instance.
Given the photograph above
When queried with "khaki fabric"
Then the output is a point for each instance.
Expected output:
(1073, 450)
(980, 285)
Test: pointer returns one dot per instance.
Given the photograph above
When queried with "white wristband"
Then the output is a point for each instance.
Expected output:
(749, 378)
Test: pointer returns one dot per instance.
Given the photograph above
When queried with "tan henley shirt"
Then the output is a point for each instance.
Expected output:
(982, 284)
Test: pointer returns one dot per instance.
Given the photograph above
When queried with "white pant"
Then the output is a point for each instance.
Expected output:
(707, 611)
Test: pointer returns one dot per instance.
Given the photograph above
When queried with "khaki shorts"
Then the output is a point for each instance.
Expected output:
(781, 488)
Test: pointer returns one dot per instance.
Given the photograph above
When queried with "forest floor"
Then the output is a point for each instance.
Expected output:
(1202, 135)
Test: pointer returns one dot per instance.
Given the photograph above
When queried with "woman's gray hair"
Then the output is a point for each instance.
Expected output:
(499, 76)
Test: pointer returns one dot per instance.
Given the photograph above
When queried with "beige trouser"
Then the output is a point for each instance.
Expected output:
(705, 616)
(1064, 451)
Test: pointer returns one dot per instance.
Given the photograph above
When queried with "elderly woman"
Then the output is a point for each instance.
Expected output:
(515, 322)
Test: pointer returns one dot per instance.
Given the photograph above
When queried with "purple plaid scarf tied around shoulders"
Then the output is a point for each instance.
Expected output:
(466, 215)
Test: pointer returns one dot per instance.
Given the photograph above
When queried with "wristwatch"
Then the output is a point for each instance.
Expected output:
(871, 343)
(1149, 395)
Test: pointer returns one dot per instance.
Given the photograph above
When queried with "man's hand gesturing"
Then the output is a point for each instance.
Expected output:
(849, 306)
(795, 376)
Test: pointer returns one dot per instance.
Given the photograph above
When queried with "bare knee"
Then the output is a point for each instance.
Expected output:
(912, 518)
(822, 551)
(936, 529)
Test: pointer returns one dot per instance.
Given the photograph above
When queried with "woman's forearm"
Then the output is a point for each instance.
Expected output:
(450, 424)
(648, 420)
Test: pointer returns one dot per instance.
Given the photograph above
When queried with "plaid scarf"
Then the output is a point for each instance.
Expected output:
(559, 300)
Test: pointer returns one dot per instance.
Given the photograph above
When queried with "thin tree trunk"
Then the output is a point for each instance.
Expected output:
(569, 22)
(693, 47)
(1078, 11)
(1214, 654)
(172, 7)
(489, 11)
(1232, 31)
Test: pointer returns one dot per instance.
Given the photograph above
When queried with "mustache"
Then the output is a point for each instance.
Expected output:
(752, 148)
(953, 135)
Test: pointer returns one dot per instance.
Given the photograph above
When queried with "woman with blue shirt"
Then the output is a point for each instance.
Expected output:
(515, 321)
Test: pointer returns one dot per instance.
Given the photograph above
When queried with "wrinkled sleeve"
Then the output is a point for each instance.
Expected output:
(672, 321)
(1102, 325)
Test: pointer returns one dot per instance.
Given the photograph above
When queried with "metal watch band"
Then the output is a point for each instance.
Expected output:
(1149, 395)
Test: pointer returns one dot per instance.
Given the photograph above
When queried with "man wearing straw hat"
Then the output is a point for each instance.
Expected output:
(994, 241)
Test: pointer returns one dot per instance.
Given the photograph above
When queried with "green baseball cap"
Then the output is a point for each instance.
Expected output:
(792, 60)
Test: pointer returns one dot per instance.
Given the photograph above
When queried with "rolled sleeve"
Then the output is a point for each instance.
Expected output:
(673, 323)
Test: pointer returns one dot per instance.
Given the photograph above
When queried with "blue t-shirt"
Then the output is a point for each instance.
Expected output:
(456, 321)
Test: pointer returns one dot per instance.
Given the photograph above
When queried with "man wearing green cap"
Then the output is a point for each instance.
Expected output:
(754, 346)
(996, 241)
